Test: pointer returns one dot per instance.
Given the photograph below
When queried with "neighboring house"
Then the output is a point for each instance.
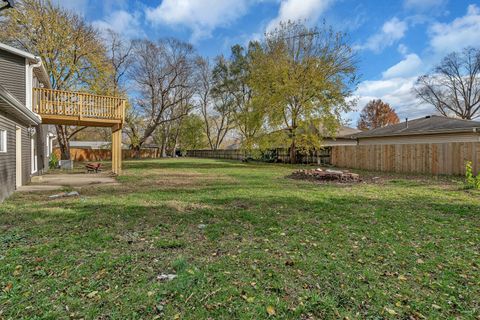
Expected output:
(342, 137)
(94, 145)
(25, 144)
(429, 129)
(429, 145)
(91, 144)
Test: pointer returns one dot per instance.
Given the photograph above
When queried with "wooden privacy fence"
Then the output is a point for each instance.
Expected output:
(322, 156)
(275, 155)
(434, 158)
(88, 154)
(234, 154)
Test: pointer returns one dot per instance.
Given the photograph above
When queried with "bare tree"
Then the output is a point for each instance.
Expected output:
(453, 87)
(119, 52)
(120, 57)
(214, 102)
(163, 74)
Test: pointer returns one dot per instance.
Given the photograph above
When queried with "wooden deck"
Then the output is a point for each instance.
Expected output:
(83, 109)
(78, 108)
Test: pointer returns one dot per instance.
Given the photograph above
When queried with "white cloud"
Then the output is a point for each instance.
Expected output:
(411, 65)
(392, 31)
(396, 87)
(398, 92)
(424, 5)
(460, 33)
(125, 23)
(309, 10)
(402, 49)
(200, 16)
(398, 81)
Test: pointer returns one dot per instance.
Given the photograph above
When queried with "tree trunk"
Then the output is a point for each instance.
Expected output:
(163, 153)
(63, 142)
(293, 152)
(175, 141)
(136, 151)
(165, 140)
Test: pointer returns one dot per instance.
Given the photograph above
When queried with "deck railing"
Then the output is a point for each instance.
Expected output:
(79, 105)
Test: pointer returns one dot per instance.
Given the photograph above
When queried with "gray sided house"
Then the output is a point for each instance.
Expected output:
(429, 129)
(429, 145)
(342, 137)
(25, 144)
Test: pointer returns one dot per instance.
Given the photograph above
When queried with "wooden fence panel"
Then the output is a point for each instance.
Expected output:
(438, 158)
(88, 154)
(282, 155)
(217, 154)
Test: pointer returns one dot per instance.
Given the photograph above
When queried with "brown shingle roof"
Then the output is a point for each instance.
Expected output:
(425, 125)
(346, 132)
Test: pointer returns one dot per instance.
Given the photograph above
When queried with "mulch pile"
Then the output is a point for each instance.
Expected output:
(326, 175)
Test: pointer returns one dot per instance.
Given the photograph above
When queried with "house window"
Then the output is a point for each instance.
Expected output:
(3, 140)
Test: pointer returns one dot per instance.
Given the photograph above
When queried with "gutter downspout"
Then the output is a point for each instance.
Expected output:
(30, 82)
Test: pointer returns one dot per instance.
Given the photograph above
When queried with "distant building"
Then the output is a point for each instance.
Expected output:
(429, 129)
(94, 145)
(342, 137)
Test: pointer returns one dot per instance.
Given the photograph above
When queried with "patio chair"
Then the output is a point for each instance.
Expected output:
(93, 167)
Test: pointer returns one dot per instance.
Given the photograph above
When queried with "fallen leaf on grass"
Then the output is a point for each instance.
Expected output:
(8, 287)
(92, 294)
(271, 311)
(391, 311)
(248, 299)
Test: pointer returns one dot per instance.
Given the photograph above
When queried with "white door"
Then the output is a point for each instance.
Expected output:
(18, 157)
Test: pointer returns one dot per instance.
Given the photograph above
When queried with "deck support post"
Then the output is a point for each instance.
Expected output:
(117, 151)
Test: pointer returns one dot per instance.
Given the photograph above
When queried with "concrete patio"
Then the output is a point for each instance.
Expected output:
(52, 182)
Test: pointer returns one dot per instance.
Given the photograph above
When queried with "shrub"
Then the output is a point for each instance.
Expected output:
(471, 182)
(53, 161)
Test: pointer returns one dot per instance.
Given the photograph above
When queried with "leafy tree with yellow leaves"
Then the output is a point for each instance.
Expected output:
(71, 49)
(303, 76)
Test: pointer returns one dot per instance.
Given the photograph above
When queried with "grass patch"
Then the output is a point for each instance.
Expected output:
(242, 241)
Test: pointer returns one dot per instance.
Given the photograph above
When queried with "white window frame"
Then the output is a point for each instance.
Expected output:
(3, 138)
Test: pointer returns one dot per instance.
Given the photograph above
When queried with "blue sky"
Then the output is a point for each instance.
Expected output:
(396, 40)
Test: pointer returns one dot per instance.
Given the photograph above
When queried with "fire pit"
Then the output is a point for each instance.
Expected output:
(326, 175)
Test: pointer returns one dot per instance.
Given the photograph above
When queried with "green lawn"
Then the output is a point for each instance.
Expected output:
(245, 243)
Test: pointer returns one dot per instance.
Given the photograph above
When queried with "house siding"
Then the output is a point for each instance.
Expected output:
(13, 74)
(7, 160)
(422, 138)
(13, 79)
(26, 156)
(339, 142)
